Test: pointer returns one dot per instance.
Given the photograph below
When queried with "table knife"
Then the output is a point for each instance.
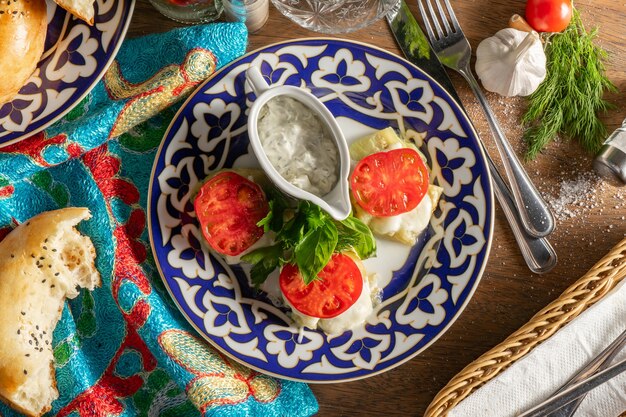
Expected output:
(576, 390)
(537, 252)
(416, 47)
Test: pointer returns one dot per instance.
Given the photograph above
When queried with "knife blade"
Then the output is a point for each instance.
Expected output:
(576, 390)
(539, 255)
(416, 47)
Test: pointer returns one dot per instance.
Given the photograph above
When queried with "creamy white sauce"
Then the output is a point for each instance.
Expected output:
(299, 145)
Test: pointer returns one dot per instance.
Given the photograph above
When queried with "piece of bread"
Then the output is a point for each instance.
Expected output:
(22, 37)
(82, 9)
(42, 262)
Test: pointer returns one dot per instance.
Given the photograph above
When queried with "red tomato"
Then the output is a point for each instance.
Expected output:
(390, 183)
(228, 208)
(549, 15)
(187, 2)
(339, 286)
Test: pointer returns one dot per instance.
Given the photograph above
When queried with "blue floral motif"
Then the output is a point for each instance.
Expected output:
(217, 125)
(421, 301)
(412, 99)
(291, 341)
(225, 315)
(13, 109)
(363, 348)
(270, 74)
(341, 76)
(448, 165)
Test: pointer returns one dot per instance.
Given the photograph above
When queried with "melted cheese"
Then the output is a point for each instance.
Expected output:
(349, 319)
(404, 227)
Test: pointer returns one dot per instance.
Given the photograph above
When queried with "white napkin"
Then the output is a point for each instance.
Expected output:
(532, 379)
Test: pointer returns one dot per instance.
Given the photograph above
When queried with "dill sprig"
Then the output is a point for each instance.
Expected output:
(568, 101)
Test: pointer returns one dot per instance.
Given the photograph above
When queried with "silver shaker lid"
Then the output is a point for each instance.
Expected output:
(610, 162)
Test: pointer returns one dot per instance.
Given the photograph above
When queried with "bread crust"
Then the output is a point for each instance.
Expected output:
(32, 293)
(23, 26)
(82, 9)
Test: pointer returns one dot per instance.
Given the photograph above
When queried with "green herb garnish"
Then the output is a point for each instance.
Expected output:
(308, 238)
(568, 101)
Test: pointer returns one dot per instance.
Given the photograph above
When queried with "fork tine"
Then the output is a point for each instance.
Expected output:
(433, 17)
(455, 21)
(429, 29)
(444, 18)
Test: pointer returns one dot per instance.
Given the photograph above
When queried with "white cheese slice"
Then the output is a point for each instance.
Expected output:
(404, 227)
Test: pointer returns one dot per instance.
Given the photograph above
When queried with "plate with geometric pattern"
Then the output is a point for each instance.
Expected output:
(424, 287)
(76, 55)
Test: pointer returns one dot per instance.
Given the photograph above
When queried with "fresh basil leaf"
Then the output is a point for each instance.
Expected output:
(293, 230)
(315, 216)
(278, 204)
(257, 255)
(306, 236)
(314, 251)
(264, 261)
(266, 221)
(354, 234)
(259, 272)
(269, 222)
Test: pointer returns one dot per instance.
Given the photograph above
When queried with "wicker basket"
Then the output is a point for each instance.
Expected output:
(577, 298)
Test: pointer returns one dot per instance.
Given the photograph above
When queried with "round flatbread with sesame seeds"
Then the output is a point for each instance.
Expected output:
(42, 262)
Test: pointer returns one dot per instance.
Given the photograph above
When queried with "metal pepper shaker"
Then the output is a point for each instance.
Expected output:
(610, 162)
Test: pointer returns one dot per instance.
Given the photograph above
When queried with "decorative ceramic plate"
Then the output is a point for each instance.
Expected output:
(75, 57)
(425, 287)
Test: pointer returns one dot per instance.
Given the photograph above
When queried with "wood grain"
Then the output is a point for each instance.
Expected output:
(508, 294)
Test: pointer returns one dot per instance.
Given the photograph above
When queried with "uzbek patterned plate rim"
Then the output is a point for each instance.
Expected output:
(8, 136)
(367, 370)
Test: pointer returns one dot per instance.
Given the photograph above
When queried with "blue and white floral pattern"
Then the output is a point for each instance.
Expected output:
(76, 56)
(424, 288)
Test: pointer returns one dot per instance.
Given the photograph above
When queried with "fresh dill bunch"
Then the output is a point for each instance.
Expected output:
(568, 101)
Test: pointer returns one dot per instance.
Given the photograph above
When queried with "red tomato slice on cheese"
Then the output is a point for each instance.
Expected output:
(337, 288)
(228, 207)
(390, 183)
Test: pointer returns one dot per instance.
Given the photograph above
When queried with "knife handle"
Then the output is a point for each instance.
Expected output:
(537, 252)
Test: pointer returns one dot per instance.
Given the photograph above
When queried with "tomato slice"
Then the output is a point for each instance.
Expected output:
(228, 207)
(337, 288)
(390, 183)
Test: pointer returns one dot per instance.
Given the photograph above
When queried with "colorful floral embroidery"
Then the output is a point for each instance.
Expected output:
(218, 381)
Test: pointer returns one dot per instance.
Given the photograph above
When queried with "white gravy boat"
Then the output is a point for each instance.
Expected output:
(337, 201)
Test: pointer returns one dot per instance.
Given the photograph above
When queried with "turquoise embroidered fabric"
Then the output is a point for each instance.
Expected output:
(124, 349)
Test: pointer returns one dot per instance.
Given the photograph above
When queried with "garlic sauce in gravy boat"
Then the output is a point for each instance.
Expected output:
(336, 200)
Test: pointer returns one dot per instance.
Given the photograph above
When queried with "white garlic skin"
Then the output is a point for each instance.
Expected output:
(511, 63)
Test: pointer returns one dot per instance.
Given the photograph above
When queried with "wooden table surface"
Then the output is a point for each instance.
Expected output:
(508, 294)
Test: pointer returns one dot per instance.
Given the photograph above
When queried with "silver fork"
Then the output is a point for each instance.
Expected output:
(454, 51)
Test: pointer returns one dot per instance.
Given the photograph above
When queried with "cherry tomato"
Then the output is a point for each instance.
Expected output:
(549, 15)
(390, 183)
(339, 286)
(186, 2)
(228, 207)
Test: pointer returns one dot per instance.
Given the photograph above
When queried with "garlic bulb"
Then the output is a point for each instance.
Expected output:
(511, 63)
